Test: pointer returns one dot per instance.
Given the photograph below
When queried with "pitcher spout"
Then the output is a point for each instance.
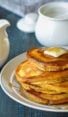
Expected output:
(4, 23)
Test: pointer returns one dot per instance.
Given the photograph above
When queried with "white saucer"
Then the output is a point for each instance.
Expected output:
(27, 24)
(21, 25)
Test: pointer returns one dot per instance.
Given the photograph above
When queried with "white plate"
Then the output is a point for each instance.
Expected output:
(7, 76)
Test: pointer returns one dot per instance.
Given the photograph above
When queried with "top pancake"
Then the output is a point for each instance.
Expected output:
(47, 62)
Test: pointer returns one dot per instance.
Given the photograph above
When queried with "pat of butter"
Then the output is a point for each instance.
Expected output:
(55, 51)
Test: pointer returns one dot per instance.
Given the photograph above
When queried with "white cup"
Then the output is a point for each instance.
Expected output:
(52, 25)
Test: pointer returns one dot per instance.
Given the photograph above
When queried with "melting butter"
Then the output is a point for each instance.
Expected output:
(55, 51)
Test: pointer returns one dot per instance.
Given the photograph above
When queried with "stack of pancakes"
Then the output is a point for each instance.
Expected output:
(43, 77)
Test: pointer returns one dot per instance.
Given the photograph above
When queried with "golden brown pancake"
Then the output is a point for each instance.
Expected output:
(34, 97)
(46, 88)
(25, 70)
(44, 98)
(51, 77)
(47, 62)
(44, 78)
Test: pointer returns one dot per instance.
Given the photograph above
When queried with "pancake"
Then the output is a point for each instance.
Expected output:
(26, 69)
(51, 77)
(47, 88)
(43, 77)
(39, 98)
(47, 62)
(34, 97)
(37, 88)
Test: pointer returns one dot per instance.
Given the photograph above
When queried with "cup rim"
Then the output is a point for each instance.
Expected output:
(61, 3)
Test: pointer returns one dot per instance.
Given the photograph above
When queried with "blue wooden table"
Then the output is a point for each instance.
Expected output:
(19, 43)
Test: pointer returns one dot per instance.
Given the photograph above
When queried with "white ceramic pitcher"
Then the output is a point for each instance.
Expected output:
(4, 42)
